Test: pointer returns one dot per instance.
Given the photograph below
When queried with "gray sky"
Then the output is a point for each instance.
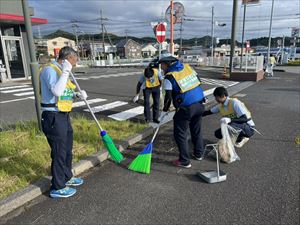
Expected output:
(135, 16)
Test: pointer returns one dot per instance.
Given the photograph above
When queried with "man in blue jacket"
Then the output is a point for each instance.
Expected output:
(182, 87)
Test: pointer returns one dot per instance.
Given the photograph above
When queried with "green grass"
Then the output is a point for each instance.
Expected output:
(25, 153)
(294, 63)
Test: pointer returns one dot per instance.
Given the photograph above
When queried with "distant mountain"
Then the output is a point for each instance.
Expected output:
(60, 33)
(204, 41)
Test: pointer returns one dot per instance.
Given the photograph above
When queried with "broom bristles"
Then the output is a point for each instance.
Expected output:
(111, 148)
(142, 163)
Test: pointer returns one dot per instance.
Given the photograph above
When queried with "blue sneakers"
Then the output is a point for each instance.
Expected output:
(62, 193)
(74, 181)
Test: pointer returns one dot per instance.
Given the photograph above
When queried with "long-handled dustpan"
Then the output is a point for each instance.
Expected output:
(213, 176)
(108, 142)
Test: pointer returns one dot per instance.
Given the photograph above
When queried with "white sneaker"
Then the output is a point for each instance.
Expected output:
(242, 142)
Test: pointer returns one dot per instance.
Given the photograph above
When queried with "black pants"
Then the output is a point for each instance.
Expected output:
(184, 118)
(58, 130)
(155, 96)
(247, 131)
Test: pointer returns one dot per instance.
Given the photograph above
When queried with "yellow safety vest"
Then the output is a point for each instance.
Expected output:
(153, 82)
(229, 111)
(186, 79)
(65, 101)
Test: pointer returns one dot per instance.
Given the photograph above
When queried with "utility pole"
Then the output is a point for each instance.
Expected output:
(39, 32)
(181, 37)
(270, 30)
(212, 34)
(126, 34)
(111, 44)
(75, 27)
(34, 66)
(172, 28)
(233, 27)
(243, 32)
(93, 49)
(102, 28)
(282, 49)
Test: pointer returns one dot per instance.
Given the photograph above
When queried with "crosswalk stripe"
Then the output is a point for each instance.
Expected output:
(82, 78)
(128, 113)
(12, 87)
(218, 82)
(14, 100)
(90, 101)
(209, 91)
(24, 93)
(108, 76)
(108, 106)
(17, 90)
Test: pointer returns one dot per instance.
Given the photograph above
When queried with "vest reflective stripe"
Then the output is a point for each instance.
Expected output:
(229, 110)
(153, 81)
(186, 79)
(65, 101)
(186, 98)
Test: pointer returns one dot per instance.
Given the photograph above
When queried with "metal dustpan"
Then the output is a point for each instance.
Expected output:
(213, 176)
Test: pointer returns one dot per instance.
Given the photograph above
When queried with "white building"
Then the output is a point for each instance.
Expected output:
(148, 50)
(55, 44)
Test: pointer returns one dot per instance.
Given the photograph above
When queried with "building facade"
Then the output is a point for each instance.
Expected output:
(148, 51)
(55, 44)
(14, 51)
(129, 49)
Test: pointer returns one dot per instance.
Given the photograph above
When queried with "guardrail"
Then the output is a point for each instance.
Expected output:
(250, 63)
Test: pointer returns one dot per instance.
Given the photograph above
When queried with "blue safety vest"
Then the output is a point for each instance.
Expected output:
(185, 86)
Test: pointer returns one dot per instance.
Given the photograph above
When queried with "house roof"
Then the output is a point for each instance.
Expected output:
(123, 42)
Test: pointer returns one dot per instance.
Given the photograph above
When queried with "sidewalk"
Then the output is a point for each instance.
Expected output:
(262, 188)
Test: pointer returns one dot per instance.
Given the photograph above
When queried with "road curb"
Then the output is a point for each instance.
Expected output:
(29, 193)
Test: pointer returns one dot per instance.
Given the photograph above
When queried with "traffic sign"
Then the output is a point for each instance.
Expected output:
(160, 33)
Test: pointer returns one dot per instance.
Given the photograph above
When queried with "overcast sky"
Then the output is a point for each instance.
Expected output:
(134, 16)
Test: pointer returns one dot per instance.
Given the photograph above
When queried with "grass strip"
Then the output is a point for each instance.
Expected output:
(25, 153)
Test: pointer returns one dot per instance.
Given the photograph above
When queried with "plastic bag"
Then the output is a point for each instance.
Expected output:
(226, 144)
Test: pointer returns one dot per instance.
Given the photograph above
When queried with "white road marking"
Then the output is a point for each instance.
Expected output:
(240, 95)
(108, 75)
(128, 113)
(14, 100)
(209, 91)
(108, 106)
(12, 87)
(90, 101)
(24, 93)
(17, 90)
(218, 82)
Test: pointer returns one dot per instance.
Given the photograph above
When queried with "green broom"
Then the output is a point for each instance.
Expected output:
(108, 142)
(142, 163)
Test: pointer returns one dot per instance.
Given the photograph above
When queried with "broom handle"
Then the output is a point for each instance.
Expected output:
(85, 101)
(157, 129)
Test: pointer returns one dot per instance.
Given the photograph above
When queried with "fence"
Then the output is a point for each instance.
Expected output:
(250, 63)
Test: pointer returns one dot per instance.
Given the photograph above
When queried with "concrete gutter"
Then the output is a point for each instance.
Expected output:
(29, 193)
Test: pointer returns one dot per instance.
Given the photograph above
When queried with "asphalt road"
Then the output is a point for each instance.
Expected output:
(261, 188)
(109, 84)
